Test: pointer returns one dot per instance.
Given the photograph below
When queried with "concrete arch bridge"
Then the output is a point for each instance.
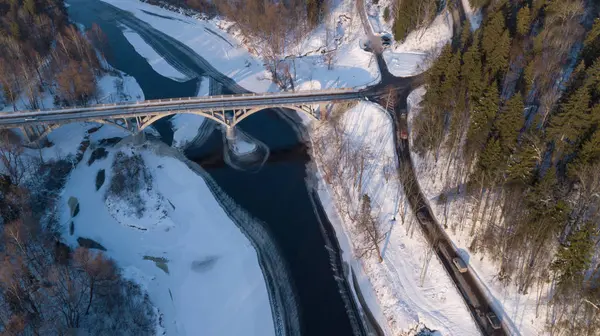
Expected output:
(227, 110)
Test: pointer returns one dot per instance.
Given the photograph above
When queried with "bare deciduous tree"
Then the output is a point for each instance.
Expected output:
(371, 230)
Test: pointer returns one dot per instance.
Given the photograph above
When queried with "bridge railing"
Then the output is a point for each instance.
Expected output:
(194, 99)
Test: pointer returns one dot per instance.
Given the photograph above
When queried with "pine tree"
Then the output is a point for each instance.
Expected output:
(522, 165)
(465, 35)
(492, 160)
(495, 44)
(483, 111)
(471, 70)
(572, 120)
(510, 121)
(30, 7)
(591, 44)
(592, 80)
(523, 21)
(590, 150)
(574, 256)
(492, 31)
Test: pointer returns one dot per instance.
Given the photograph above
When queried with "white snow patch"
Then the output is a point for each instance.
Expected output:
(157, 62)
(474, 15)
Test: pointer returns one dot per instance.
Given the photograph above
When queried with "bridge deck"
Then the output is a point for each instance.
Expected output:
(168, 106)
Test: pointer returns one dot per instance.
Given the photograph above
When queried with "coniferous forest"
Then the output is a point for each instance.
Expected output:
(514, 106)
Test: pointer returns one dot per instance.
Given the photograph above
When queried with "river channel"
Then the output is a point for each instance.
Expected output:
(276, 194)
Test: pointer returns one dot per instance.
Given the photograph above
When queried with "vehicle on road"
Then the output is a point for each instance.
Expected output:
(403, 114)
(460, 265)
(403, 134)
(494, 320)
(31, 119)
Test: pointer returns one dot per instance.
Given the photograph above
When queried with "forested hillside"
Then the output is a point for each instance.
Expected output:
(40, 51)
(514, 106)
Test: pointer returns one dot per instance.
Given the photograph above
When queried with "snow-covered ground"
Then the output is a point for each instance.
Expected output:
(420, 47)
(398, 300)
(353, 66)
(473, 15)
(519, 310)
(200, 271)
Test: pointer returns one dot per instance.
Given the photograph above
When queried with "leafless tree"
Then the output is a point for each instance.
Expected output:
(11, 155)
(370, 228)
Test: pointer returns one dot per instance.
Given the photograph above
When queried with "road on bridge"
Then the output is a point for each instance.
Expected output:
(169, 106)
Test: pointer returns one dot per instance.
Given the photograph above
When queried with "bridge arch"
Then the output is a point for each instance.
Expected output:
(152, 119)
(306, 110)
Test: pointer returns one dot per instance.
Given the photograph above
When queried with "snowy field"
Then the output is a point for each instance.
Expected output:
(518, 310)
(198, 268)
(393, 288)
(229, 55)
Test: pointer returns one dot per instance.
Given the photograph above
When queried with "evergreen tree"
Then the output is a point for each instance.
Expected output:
(590, 150)
(492, 160)
(495, 44)
(492, 31)
(465, 35)
(471, 70)
(574, 256)
(483, 111)
(592, 80)
(572, 120)
(591, 44)
(523, 21)
(510, 121)
(30, 7)
(522, 165)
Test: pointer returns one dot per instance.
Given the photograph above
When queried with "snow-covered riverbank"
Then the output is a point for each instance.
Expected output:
(395, 293)
(200, 271)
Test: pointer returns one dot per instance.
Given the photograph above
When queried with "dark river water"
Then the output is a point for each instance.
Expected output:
(276, 194)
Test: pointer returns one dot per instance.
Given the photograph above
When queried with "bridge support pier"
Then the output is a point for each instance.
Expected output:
(230, 133)
(323, 111)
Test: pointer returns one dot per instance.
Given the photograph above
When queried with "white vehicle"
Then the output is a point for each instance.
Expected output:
(31, 119)
(460, 265)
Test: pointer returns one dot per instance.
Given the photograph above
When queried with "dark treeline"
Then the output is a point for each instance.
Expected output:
(40, 51)
(514, 105)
